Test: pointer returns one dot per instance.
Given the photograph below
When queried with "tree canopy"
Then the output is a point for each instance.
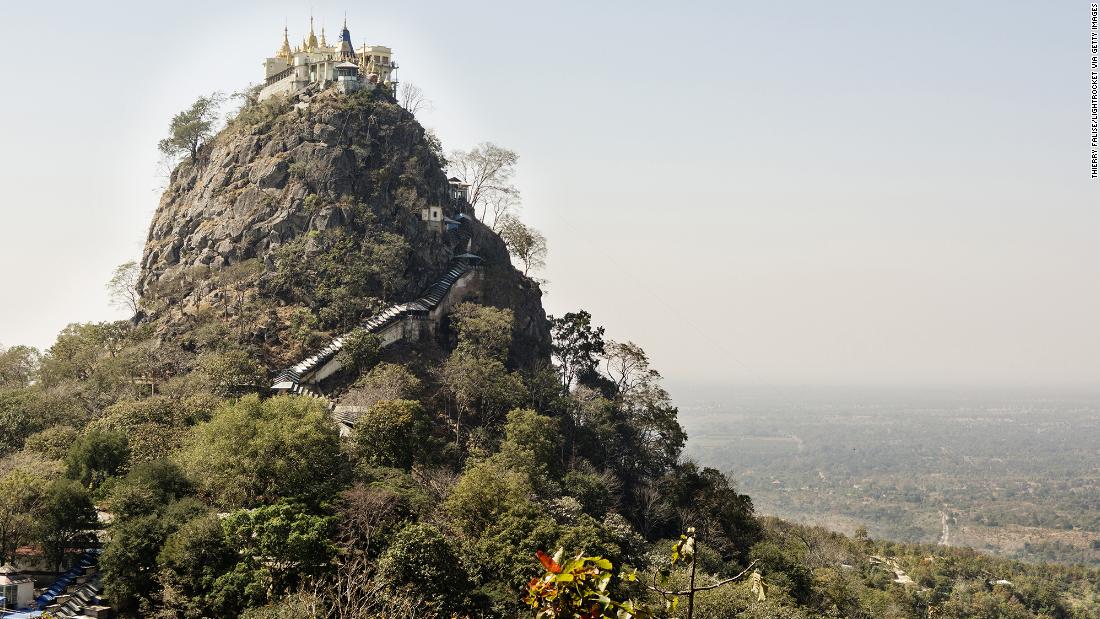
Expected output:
(191, 128)
(254, 451)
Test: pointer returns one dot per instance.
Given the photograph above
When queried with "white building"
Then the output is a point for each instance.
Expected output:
(317, 62)
(16, 589)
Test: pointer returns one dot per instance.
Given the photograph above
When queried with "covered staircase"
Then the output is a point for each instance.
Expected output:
(303, 377)
(77, 593)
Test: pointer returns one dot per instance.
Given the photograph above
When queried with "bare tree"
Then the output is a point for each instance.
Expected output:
(488, 170)
(498, 207)
(524, 242)
(684, 552)
(353, 592)
(652, 507)
(628, 366)
(364, 512)
(412, 98)
(123, 287)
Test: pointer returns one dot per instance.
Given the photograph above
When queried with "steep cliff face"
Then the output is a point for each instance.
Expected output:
(321, 196)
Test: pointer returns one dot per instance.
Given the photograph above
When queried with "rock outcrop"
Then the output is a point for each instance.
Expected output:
(286, 171)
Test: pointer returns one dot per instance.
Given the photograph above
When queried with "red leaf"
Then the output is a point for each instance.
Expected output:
(548, 562)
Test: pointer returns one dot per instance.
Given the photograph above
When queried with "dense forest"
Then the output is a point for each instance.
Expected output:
(479, 454)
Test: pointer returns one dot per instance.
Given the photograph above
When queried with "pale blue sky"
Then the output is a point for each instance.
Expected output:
(755, 192)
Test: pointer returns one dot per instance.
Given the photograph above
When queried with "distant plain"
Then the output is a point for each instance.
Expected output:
(1016, 473)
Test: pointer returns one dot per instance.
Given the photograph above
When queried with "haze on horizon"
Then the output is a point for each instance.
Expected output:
(811, 193)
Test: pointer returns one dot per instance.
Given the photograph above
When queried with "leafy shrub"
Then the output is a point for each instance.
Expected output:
(52, 442)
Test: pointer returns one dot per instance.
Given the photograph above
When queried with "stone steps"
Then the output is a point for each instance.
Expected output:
(290, 379)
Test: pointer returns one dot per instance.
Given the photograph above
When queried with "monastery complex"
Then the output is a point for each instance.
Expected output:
(316, 62)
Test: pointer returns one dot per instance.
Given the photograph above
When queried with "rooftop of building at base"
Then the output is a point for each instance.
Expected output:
(316, 62)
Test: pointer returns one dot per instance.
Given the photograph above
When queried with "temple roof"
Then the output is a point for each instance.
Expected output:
(311, 40)
(284, 51)
(346, 50)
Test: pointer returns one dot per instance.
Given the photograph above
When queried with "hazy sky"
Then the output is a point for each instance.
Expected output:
(755, 192)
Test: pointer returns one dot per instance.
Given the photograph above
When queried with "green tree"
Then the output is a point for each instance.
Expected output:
(360, 351)
(194, 571)
(532, 445)
(524, 242)
(651, 430)
(597, 493)
(148, 489)
(393, 433)
(705, 500)
(636, 424)
(129, 560)
(96, 456)
(481, 389)
(482, 495)
(66, 520)
(230, 372)
(191, 128)
(16, 422)
(421, 559)
(89, 358)
(260, 451)
(53, 442)
(21, 495)
(385, 381)
(483, 331)
(157, 426)
(18, 366)
(576, 345)
(278, 545)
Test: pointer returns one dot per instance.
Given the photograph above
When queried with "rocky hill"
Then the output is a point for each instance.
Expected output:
(431, 477)
(256, 226)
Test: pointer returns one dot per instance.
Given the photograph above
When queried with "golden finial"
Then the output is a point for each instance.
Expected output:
(284, 50)
(311, 40)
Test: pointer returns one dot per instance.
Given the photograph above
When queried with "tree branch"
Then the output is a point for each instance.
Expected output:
(706, 588)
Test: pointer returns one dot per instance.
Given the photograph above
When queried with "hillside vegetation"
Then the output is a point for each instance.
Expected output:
(506, 433)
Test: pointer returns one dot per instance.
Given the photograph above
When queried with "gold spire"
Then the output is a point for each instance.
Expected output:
(284, 51)
(324, 43)
(311, 40)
